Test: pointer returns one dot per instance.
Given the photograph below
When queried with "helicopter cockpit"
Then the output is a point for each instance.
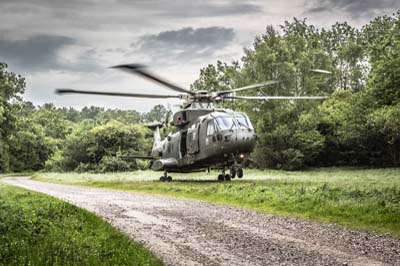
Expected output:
(229, 133)
(228, 121)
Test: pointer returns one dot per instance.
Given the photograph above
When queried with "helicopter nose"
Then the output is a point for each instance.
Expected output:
(246, 138)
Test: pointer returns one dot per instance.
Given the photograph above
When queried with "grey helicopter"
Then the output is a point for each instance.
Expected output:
(204, 136)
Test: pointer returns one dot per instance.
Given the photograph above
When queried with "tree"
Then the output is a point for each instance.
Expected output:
(11, 85)
(31, 148)
(100, 147)
(344, 45)
(382, 41)
(288, 57)
(385, 123)
(157, 113)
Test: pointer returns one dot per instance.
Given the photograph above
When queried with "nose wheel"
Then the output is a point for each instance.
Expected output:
(236, 170)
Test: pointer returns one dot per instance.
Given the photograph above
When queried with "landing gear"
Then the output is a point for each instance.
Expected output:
(240, 172)
(224, 177)
(166, 177)
(232, 171)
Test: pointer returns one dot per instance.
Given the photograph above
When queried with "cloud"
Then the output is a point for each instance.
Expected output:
(37, 53)
(356, 8)
(41, 53)
(184, 45)
(184, 9)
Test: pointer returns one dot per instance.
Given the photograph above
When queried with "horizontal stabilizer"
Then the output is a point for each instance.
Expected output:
(155, 125)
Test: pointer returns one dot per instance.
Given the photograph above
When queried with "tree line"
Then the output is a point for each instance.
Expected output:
(358, 125)
(360, 122)
(66, 139)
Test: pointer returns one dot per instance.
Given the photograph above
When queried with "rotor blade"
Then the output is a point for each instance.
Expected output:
(321, 71)
(253, 86)
(137, 95)
(277, 97)
(139, 69)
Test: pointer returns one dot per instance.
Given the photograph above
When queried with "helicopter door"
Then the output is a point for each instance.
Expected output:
(193, 139)
(182, 146)
(210, 135)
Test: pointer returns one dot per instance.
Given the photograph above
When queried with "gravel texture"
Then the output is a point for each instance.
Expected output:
(188, 232)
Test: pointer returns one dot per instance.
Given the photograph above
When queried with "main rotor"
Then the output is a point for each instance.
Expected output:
(189, 96)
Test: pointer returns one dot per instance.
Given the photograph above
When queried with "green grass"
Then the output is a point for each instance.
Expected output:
(16, 174)
(367, 199)
(36, 229)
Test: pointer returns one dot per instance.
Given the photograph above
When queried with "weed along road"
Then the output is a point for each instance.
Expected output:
(187, 232)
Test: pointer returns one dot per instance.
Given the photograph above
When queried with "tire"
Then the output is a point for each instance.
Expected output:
(240, 172)
(227, 178)
(232, 172)
(162, 179)
(169, 179)
(221, 177)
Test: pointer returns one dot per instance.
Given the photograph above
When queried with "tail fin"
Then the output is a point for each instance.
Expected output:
(157, 149)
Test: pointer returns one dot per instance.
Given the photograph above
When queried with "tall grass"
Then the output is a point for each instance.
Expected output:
(39, 230)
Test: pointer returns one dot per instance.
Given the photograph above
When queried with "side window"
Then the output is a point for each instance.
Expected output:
(210, 128)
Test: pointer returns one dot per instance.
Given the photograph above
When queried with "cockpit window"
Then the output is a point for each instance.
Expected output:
(244, 122)
(225, 122)
(210, 128)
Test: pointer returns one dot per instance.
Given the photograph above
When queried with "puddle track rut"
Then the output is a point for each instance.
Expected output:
(188, 232)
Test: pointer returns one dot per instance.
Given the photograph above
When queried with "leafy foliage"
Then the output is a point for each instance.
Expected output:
(11, 86)
(356, 126)
(92, 147)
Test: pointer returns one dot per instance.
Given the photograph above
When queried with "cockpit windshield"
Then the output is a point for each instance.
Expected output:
(243, 121)
(225, 122)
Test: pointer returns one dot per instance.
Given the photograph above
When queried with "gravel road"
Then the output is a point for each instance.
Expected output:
(187, 232)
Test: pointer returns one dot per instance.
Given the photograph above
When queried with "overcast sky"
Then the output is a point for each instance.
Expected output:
(72, 43)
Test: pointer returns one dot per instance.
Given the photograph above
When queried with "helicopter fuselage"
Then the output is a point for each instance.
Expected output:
(212, 139)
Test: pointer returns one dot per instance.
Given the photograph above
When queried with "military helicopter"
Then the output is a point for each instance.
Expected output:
(204, 136)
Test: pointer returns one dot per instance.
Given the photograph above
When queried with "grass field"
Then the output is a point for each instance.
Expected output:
(39, 230)
(16, 174)
(358, 198)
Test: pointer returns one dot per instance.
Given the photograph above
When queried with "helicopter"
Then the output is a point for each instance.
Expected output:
(204, 136)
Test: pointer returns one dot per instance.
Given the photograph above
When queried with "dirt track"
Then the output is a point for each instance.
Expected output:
(186, 232)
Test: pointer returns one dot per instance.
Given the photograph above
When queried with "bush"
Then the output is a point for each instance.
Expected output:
(113, 164)
(97, 148)
(56, 162)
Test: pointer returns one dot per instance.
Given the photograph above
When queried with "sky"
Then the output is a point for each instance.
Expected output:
(72, 44)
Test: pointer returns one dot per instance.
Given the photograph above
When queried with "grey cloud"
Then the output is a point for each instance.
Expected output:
(186, 44)
(186, 9)
(40, 53)
(356, 8)
(36, 53)
(110, 11)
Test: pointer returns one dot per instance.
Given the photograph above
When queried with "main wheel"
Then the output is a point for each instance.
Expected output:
(162, 179)
(232, 172)
(240, 172)
(221, 177)
(227, 178)
(169, 178)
